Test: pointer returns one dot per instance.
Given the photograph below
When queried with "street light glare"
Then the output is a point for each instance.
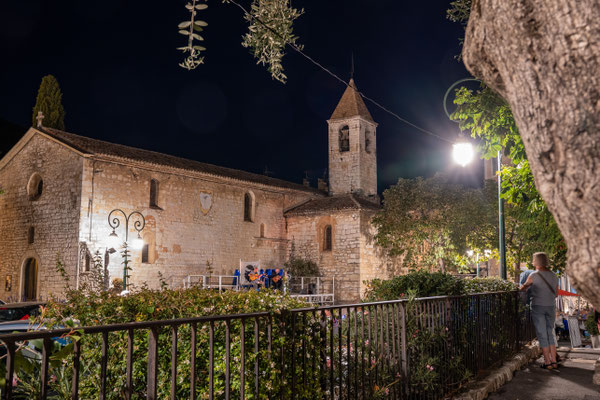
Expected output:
(113, 240)
(138, 243)
(463, 153)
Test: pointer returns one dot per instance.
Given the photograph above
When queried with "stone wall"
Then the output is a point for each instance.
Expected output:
(354, 170)
(375, 263)
(54, 215)
(183, 234)
(343, 261)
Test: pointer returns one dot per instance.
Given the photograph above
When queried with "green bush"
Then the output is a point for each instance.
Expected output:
(420, 283)
(488, 284)
(591, 325)
(106, 308)
(428, 284)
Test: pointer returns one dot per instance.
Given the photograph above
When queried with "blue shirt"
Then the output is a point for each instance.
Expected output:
(524, 275)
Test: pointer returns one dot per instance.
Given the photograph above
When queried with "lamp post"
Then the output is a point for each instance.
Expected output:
(462, 153)
(139, 223)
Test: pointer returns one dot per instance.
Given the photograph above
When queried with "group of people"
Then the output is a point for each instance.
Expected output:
(256, 279)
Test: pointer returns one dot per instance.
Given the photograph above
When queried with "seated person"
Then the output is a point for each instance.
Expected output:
(276, 280)
(252, 276)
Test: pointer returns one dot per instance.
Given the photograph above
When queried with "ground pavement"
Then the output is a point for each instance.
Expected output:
(572, 381)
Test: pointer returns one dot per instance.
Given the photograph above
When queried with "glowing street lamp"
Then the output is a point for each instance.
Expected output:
(462, 152)
(114, 222)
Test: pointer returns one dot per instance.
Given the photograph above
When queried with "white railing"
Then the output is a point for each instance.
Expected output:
(312, 289)
(220, 282)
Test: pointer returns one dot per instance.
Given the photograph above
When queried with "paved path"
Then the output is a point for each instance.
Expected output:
(573, 381)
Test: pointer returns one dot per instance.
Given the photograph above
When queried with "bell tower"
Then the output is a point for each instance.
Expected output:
(352, 146)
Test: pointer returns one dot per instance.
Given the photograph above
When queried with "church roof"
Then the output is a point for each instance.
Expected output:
(101, 148)
(351, 105)
(333, 203)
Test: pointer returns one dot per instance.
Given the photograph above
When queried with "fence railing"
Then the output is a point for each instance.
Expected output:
(418, 349)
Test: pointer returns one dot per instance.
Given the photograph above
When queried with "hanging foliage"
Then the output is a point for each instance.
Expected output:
(190, 29)
(270, 30)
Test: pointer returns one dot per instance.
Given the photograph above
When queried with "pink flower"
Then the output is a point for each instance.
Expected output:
(366, 342)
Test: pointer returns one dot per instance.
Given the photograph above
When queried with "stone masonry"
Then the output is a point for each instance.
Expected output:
(196, 214)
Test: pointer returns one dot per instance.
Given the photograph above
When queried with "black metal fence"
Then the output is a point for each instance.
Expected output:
(420, 349)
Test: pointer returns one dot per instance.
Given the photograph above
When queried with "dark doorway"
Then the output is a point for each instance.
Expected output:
(30, 274)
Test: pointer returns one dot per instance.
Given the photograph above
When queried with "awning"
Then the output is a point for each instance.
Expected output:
(565, 293)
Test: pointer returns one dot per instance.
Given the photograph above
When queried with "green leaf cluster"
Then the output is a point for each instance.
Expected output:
(49, 102)
(190, 28)
(99, 308)
(430, 223)
(270, 31)
(427, 284)
(591, 325)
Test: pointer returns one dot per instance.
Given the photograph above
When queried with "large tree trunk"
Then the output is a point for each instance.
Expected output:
(543, 57)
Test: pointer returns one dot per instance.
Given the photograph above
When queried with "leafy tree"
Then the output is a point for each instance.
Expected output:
(428, 222)
(49, 102)
(431, 224)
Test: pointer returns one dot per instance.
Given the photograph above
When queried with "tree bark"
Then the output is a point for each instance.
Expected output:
(543, 57)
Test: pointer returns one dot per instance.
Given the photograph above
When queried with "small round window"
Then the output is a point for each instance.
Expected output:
(35, 187)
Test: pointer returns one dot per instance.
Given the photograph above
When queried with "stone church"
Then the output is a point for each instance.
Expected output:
(59, 188)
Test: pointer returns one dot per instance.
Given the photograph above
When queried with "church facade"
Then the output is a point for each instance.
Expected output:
(59, 189)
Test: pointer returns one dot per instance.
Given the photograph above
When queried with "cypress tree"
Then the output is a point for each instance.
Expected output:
(49, 102)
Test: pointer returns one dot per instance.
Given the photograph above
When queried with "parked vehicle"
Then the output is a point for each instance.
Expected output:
(19, 311)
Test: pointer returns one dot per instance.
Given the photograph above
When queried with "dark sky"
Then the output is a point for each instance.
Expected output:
(117, 65)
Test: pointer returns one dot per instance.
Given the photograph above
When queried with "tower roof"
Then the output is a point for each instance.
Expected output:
(351, 105)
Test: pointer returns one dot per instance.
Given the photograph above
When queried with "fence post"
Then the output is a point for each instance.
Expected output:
(10, 369)
(323, 351)
(403, 341)
(152, 372)
(518, 324)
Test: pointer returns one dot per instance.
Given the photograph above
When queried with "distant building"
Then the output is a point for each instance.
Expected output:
(59, 189)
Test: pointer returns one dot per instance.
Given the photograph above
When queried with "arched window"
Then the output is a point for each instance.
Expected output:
(35, 187)
(262, 230)
(248, 207)
(327, 239)
(344, 135)
(153, 193)
(30, 276)
(30, 235)
(87, 265)
(145, 253)
(368, 141)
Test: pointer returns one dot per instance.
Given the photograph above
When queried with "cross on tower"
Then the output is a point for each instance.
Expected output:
(39, 118)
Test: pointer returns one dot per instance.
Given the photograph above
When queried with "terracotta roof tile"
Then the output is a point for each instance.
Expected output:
(334, 203)
(351, 105)
(99, 147)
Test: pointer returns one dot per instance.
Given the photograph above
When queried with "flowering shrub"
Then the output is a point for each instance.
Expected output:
(427, 284)
(145, 305)
(488, 284)
(421, 283)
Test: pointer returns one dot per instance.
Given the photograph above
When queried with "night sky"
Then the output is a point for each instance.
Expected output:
(117, 66)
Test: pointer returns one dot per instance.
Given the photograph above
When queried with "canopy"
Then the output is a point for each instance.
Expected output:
(565, 293)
